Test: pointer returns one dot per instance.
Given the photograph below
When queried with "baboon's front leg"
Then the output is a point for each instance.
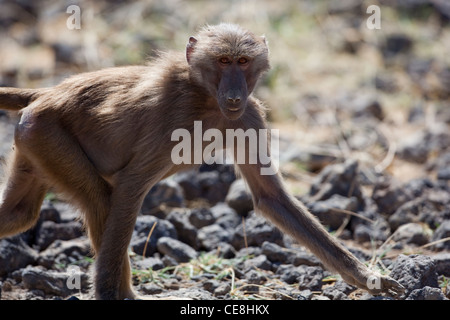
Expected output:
(113, 273)
(290, 215)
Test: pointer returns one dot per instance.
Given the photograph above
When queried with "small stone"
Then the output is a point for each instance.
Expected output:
(211, 285)
(413, 233)
(64, 252)
(257, 230)
(255, 277)
(50, 231)
(305, 295)
(260, 262)
(366, 106)
(333, 218)
(426, 293)
(334, 294)
(288, 273)
(442, 261)
(442, 232)
(167, 192)
(225, 216)
(151, 288)
(310, 278)
(211, 236)
(186, 232)
(340, 179)
(239, 197)
(201, 217)
(144, 224)
(304, 258)
(274, 252)
(149, 263)
(222, 290)
(178, 250)
(50, 282)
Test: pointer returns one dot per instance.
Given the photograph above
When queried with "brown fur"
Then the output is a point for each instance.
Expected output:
(104, 139)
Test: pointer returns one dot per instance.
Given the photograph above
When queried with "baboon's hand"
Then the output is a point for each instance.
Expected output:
(373, 282)
(386, 285)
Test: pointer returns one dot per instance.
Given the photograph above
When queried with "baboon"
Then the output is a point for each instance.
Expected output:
(104, 139)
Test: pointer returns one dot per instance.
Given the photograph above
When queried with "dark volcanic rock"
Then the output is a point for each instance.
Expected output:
(143, 226)
(239, 197)
(415, 272)
(257, 230)
(15, 254)
(340, 179)
(175, 249)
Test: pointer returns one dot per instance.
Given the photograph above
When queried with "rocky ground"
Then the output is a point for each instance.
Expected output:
(372, 163)
(197, 237)
(220, 249)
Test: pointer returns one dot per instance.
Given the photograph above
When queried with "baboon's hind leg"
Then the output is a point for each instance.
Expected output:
(21, 196)
(60, 157)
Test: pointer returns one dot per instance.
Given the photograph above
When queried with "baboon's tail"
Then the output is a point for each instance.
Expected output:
(16, 99)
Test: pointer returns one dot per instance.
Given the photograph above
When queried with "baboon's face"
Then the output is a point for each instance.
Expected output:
(232, 90)
(228, 62)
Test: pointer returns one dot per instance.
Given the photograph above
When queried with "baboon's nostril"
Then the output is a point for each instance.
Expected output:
(234, 100)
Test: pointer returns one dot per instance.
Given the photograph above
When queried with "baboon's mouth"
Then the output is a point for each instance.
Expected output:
(233, 113)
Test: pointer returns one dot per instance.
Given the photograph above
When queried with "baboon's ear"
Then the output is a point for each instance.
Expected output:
(264, 40)
(190, 48)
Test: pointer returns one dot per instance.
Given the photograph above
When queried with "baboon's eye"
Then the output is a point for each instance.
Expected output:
(225, 60)
(243, 60)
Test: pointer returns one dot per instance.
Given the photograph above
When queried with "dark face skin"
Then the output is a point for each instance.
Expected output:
(232, 91)
(229, 77)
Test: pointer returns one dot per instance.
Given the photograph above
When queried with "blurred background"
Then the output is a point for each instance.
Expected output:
(328, 66)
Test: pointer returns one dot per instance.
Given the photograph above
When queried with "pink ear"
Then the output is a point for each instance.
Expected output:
(190, 48)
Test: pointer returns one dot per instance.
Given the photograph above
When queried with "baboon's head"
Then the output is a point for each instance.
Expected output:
(228, 60)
